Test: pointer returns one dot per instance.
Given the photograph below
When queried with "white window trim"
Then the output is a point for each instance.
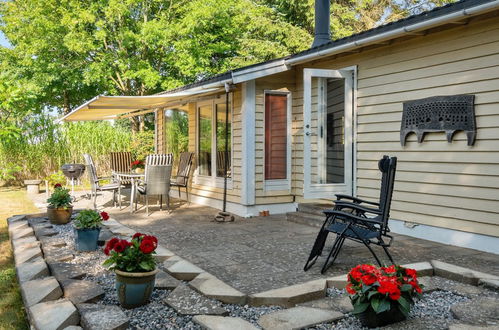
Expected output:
(213, 180)
(280, 184)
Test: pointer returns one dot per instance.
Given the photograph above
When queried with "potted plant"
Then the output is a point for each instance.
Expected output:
(137, 166)
(384, 295)
(87, 227)
(135, 268)
(59, 209)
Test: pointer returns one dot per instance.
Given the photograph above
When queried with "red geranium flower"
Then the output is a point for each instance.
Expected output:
(104, 216)
(152, 238)
(112, 242)
(57, 185)
(390, 269)
(350, 289)
(369, 279)
(147, 246)
(106, 251)
(411, 272)
(137, 235)
(121, 246)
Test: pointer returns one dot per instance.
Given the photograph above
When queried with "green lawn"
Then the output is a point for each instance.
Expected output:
(12, 314)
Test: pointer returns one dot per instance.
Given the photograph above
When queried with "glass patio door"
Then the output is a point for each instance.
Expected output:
(328, 133)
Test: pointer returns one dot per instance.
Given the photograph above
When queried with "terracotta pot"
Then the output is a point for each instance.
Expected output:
(59, 216)
(134, 289)
(86, 239)
(370, 319)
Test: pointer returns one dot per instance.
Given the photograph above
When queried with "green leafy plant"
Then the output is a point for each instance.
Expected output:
(133, 256)
(90, 219)
(382, 288)
(60, 198)
(56, 178)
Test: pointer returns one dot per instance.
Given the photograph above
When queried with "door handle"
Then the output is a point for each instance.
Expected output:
(310, 134)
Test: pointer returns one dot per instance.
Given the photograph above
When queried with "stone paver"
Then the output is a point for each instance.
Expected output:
(54, 315)
(22, 232)
(439, 283)
(181, 268)
(186, 301)
(64, 271)
(338, 282)
(37, 291)
(57, 254)
(41, 232)
(460, 274)
(418, 324)
(211, 322)
(30, 241)
(482, 311)
(165, 281)
(291, 295)
(52, 241)
(27, 255)
(212, 287)
(342, 304)
(17, 225)
(104, 235)
(80, 291)
(163, 254)
(490, 284)
(15, 218)
(423, 268)
(297, 318)
(463, 326)
(32, 270)
(100, 317)
(73, 327)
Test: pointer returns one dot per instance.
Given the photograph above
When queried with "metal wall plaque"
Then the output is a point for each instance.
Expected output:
(439, 114)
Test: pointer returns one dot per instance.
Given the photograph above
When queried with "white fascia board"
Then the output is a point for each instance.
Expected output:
(477, 10)
(259, 71)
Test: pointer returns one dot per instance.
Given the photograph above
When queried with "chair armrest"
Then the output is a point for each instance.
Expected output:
(355, 199)
(346, 216)
(364, 209)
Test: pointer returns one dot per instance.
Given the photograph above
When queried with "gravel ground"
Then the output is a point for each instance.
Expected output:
(157, 315)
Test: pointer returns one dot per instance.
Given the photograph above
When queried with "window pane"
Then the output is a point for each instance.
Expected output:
(176, 132)
(276, 136)
(204, 152)
(223, 158)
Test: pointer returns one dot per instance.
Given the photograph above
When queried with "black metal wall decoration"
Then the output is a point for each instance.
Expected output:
(439, 114)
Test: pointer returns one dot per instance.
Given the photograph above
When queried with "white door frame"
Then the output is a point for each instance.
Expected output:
(314, 190)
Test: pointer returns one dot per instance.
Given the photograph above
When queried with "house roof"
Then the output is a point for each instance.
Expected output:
(438, 16)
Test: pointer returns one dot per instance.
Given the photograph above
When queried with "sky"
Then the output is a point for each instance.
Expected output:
(3, 41)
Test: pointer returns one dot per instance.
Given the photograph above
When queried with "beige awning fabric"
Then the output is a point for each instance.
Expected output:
(113, 107)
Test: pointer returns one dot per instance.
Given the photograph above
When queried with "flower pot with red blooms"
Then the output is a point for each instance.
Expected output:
(87, 229)
(135, 267)
(384, 295)
(137, 166)
(59, 207)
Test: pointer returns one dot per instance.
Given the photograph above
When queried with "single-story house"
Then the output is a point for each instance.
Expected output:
(313, 124)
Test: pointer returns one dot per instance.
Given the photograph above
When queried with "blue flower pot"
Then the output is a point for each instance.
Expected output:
(134, 289)
(86, 239)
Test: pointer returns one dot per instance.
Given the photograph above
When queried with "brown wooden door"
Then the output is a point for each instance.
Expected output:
(276, 131)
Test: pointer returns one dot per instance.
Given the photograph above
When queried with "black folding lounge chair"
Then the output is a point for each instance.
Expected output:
(357, 221)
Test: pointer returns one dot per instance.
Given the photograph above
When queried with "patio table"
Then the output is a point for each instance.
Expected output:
(132, 177)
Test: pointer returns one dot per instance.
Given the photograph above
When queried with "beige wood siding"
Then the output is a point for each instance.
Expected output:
(441, 184)
(160, 134)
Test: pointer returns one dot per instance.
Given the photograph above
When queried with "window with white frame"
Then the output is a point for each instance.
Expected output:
(277, 140)
(212, 120)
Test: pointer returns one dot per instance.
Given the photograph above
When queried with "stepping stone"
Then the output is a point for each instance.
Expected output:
(181, 268)
(210, 322)
(162, 254)
(32, 270)
(17, 225)
(80, 291)
(28, 241)
(15, 218)
(21, 233)
(122, 231)
(40, 225)
(418, 324)
(165, 281)
(297, 318)
(54, 315)
(73, 327)
(434, 283)
(26, 246)
(462, 326)
(291, 295)
(490, 284)
(104, 236)
(481, 311)
(27, 255)
(342, 304)
(212, 287)
(338, 282)
(459, 274)
(37, 220)
(52, 241)
(186, 301)
(102, 317)
(37, 291)
(423, 268)
(66, 271)
(57, 254)
(41, 232)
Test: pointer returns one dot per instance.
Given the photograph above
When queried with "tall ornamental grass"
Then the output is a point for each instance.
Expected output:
(45, 145)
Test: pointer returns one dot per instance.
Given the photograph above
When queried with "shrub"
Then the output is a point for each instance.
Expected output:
(60, 198)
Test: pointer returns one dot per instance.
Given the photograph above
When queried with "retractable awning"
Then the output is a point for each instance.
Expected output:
(113, 107)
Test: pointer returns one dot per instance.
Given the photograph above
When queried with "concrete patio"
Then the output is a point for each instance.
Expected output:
(263, 253)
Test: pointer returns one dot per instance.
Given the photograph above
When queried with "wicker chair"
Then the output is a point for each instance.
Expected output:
(183, 172)
(121, 162)
(159, 159)
(156, 182)
(95, 182)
